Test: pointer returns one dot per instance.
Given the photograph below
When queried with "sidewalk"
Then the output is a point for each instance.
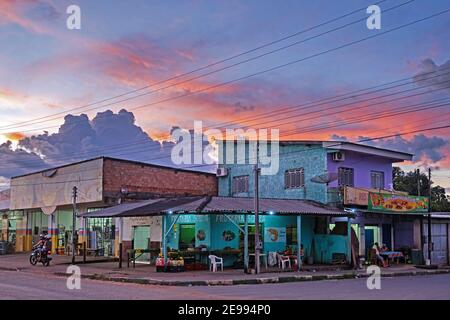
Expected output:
(145, 274)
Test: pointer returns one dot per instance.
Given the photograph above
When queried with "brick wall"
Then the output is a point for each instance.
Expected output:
(141, 178)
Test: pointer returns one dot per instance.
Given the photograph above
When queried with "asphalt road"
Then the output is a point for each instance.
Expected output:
(22, 285)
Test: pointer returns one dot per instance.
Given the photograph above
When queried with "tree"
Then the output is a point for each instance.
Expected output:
(407, 181)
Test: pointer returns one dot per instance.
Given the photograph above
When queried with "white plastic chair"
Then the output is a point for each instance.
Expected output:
(283, 261)
(215, 261)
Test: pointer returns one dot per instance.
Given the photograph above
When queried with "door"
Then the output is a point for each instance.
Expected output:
(187, 236)
(370, 239)
(439, 253)
(387, 235)
(141, 240)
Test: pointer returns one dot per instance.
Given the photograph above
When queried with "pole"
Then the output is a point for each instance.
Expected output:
(246, 243)
(430, 244)
(256, 203)
(299, 243)
(74, 221)
(120, 242)
(164, 223)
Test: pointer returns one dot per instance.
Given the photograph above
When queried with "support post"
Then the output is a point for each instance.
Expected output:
(120, 241)
(164, 242)
(299, 242)
(245, 243)
(349, 238)
(84, 251)
(74, 222)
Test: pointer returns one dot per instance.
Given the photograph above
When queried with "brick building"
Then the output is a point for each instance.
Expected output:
(44, 201)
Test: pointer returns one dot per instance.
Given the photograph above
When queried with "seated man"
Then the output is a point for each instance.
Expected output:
(377, 249)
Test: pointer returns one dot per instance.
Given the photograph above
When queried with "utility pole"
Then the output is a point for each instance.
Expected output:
(430, 244)
(74, 221)
(256, 202)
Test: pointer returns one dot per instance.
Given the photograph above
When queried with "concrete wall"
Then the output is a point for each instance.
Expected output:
(362, 165)
(311, 158)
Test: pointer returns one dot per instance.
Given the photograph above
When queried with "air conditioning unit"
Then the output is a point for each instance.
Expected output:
(338, 156)
(221, 172)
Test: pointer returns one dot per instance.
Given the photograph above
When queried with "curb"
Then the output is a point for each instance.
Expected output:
(267, 280)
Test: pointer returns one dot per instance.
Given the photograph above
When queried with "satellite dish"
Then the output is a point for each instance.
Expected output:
(325, 178)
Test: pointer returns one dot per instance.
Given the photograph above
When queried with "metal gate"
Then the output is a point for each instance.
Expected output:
(439, 253)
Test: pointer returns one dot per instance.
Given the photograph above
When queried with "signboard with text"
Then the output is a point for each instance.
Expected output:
(397, 203)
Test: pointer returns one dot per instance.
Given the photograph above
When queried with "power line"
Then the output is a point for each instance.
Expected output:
(272, 68)
(133, 144)
(212, 64)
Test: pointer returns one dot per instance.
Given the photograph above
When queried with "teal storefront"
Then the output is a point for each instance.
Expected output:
(215, 232)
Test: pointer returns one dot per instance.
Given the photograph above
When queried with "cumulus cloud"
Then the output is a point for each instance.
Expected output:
(439, 74)
(425, 149)
(79, 138)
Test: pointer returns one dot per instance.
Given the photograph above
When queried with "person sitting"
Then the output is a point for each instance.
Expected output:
(384, 248)
(377, 249)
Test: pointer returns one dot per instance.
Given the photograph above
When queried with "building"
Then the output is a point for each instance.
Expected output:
(44, 200)
(340, 174)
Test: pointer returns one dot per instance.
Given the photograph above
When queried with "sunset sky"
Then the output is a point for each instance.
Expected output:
(48, 71)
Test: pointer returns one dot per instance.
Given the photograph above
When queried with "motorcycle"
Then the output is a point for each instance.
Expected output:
(37, 255)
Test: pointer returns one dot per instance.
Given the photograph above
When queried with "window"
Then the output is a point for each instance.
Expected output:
(377, 179)
(294, 178)
(346, 177)
(240, 184)
(291, 235)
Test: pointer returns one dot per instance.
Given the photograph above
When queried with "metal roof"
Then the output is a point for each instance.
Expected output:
(215, 205)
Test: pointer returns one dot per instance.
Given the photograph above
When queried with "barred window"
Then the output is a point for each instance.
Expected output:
(294, 178)
(377, 179)
(346, 177)
(240, 184)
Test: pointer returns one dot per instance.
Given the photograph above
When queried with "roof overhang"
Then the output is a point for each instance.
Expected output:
(386, 153)
(216, 205)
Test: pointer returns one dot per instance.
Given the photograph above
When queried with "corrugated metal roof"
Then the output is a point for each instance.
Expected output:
(141, 208)
(215, 205)
(277, 206)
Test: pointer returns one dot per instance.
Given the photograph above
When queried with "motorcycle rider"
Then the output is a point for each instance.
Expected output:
(47, 246)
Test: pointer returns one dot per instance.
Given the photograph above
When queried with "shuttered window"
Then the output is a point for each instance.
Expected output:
(377, 179)
(294, 178)
(240, 184)
(346, 177)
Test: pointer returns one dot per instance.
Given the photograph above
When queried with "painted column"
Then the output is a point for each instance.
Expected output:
(362, 240)
(52, 230)
(164, 225)
(349, 239)
(299, 242)
(245, 243)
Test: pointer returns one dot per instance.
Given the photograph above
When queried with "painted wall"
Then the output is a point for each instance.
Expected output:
(362, 165)
(309, 157)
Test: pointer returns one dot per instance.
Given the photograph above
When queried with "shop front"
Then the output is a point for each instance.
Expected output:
(192, 229)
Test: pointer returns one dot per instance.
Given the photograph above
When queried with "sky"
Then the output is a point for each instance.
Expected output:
(57, 86)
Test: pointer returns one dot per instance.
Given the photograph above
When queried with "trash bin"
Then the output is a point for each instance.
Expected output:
(416, 256)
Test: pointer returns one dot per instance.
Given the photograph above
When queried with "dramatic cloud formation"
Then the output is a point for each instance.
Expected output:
(440, 74)
(425, 149)
(107, 134)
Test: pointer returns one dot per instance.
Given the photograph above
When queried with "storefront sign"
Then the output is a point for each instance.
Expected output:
(356, 196)
(275, 234)
(397, 203)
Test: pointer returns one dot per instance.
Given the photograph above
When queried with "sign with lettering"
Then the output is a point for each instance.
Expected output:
(397, 203)
(275, 234)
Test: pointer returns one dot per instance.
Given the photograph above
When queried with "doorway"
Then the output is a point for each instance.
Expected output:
(372, 235)
(187, 236)
(141, 240)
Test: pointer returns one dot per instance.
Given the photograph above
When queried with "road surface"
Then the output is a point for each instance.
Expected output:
(23, 285)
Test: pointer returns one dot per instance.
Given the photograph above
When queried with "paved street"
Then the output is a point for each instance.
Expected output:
(21, 285)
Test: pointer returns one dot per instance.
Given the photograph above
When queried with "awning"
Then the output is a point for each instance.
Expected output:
(215, 205)
(141, 208)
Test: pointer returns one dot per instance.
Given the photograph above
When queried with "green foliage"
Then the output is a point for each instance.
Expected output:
(407, 181)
